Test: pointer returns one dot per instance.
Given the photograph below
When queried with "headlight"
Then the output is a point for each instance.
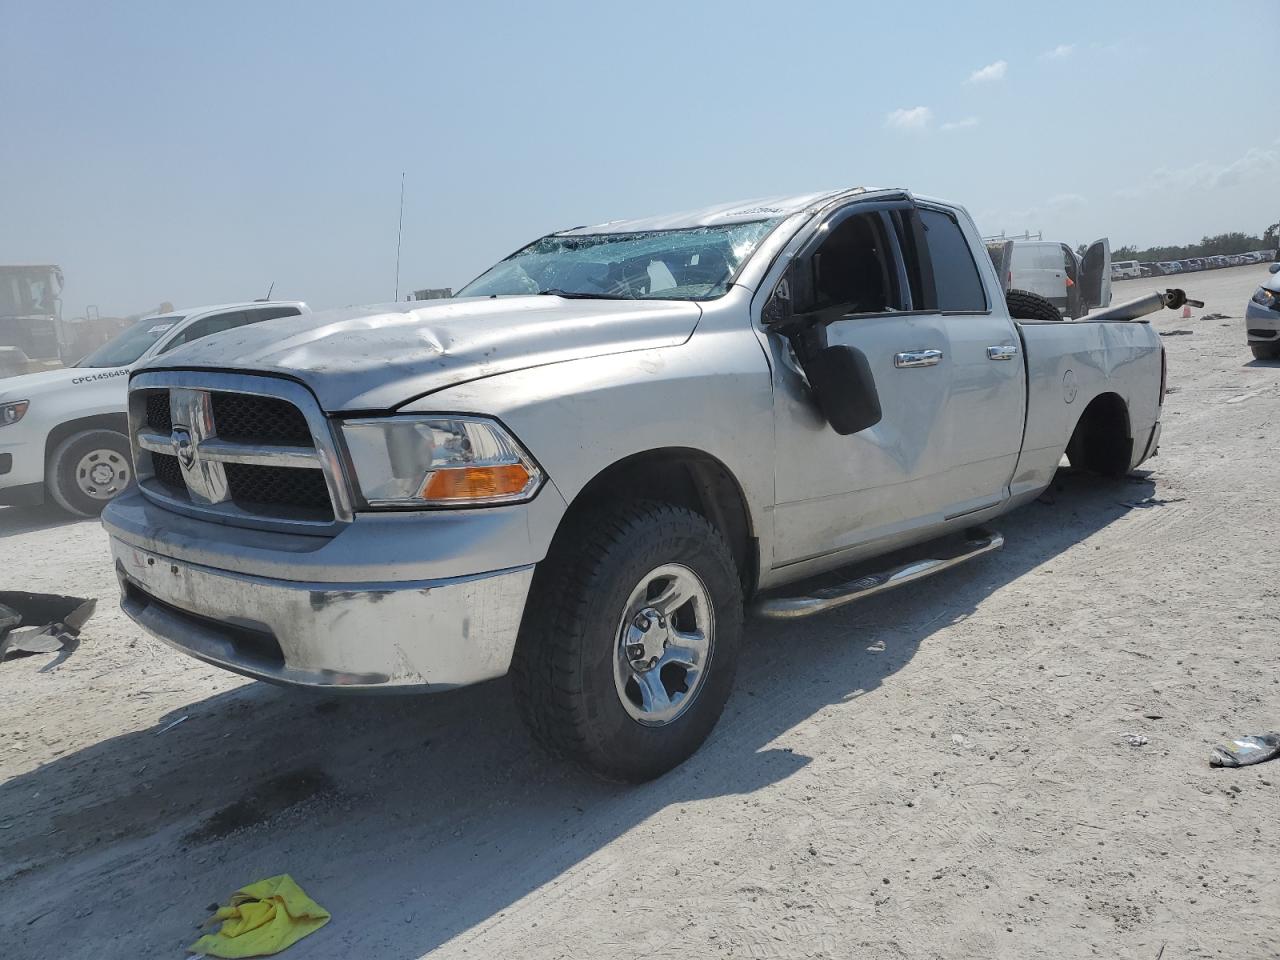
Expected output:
(1267, 298)
(439, 461)
(12, 412)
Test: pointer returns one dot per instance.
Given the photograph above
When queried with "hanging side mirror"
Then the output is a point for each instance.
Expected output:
(1274, 268)
(844, 388)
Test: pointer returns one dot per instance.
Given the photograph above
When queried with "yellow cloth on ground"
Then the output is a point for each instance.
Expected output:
(262, 918)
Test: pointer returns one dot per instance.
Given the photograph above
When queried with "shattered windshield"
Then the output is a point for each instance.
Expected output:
(129, 345)
(692, 264)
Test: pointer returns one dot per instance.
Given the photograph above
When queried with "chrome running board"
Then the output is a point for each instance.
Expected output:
(822, 599)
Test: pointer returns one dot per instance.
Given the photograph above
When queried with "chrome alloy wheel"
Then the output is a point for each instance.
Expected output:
(664, 645)
(101, 474)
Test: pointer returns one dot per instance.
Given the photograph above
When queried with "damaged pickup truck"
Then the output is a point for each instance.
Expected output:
(587, 465)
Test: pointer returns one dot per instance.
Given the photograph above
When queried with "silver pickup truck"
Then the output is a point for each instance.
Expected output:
(583, 468)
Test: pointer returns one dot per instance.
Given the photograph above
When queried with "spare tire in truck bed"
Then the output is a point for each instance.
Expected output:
(1025, 305)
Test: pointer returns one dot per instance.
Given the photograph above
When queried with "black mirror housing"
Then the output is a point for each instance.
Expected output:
(844, 388)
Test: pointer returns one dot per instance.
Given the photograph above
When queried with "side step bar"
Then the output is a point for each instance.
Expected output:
(827, 598)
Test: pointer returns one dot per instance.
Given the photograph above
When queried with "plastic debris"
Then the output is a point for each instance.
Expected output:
(1135, 739)
(33, 623)
(1245, 751)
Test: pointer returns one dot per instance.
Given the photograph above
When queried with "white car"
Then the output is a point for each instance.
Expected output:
(1125, 270)
(65, 432)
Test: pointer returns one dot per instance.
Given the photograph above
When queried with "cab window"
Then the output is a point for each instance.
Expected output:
(956, 279)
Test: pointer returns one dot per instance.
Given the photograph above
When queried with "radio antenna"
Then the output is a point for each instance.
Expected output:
(399, 235)
(269, 289)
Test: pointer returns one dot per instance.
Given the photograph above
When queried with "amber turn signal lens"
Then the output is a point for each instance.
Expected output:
(476, 483)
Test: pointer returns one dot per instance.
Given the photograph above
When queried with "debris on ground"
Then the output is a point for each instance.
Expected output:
(262, 919)
(1152, 502)
(1245, 751)
(1135, 739)
(1216, 316)
(32, 623)
(1176, 333)
(169, 726)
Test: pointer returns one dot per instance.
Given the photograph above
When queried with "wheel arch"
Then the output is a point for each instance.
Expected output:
(1102, 439)
(685, 477)
(116, 422)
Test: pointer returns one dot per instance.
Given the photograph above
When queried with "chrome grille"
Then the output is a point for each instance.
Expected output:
(250, 450)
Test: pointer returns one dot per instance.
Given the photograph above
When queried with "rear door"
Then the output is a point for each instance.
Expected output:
(1095, 275)
(980, 433)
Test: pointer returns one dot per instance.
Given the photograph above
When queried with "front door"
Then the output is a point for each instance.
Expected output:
(837, 492)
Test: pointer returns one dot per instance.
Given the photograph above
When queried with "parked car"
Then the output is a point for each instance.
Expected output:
(1194, 263)
(1170, 266)
(1149, 269)
(1072, 283)
(1125, 270)
(580, 467)
(64, 433)
(1262, 318)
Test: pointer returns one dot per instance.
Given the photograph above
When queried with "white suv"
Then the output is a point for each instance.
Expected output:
(65, 432)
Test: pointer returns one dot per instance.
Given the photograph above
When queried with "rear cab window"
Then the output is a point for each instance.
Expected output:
(958, 286)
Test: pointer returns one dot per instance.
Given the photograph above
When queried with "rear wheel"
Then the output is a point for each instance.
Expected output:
(1266, 351)
(89, 469)
(628, 649)
(1025, 305)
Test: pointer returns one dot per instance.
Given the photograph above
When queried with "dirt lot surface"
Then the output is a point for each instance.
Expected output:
(937, 772)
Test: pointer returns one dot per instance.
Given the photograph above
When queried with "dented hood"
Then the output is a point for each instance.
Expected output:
(379, 357)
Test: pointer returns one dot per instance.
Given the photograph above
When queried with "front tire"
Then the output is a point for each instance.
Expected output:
(1266, 351)
(89, 469)
(630, 641)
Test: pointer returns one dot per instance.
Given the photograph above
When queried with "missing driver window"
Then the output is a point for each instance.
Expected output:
(853, 266)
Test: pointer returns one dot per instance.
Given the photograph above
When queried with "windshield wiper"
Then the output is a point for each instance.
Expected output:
(577, 295)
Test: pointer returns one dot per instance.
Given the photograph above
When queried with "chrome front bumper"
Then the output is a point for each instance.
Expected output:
(425, 634)
(412, 600)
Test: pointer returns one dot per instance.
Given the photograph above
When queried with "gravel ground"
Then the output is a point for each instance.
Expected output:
(936, 772)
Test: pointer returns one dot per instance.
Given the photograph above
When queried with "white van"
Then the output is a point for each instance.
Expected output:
(1071, 283)
(1125, 270)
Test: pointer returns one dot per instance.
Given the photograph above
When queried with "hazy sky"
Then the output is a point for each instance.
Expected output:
(198, 152)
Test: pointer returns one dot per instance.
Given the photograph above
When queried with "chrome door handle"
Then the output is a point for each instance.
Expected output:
(1003, 351)
(917, 358)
